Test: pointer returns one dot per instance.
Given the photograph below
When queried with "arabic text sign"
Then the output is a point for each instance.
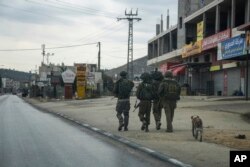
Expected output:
(233, 47)
(212, 41)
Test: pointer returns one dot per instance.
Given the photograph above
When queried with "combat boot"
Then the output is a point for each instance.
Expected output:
(120, 126)
(125, 128)
(143, 125)
(158, 125)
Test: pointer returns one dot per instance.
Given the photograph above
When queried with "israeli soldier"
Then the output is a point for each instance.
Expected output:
(157, 78)
(122, 90)
(145, 94)
(169, 92)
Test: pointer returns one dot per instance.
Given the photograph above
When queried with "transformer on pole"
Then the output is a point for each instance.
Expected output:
(130, 17)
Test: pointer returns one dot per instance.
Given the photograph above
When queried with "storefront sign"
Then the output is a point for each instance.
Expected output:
(214, 68)
(230, 65)
(200, 28)
(233, 47)
(212, 41)
(68, 76)
(191, 49)
(81, 73)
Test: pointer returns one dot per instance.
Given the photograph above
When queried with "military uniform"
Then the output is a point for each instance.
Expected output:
(157, 107)
(168, 98)
(123, 102)
(145, 94)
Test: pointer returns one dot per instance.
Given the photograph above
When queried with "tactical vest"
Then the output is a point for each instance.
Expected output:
(171, 90)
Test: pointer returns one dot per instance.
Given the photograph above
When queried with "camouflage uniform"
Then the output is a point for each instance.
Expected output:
(157, 78)
(123, 103)
(145, 101)
(169, 104)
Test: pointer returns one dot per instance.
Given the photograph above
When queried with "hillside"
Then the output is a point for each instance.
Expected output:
(140, 66)
(15, 75)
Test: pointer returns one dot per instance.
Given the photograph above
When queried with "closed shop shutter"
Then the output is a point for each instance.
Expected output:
(218, 82)
(233, 80)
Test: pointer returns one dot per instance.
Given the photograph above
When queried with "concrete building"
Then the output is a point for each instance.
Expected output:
(205, 50)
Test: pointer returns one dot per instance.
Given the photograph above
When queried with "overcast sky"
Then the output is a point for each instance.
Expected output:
(27, 24)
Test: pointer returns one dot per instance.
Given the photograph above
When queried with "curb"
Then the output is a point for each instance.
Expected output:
(117, 138)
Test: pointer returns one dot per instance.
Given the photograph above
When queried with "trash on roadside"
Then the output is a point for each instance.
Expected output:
(240, 136)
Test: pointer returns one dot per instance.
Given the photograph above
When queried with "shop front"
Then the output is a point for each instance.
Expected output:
(232, 53)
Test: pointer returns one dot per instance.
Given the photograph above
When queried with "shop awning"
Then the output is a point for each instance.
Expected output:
(178, 70)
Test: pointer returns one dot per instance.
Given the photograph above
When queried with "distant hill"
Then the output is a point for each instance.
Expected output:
(15, 75)
(140, 66)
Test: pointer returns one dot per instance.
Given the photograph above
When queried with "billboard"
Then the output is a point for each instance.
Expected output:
(212, 41)
(233, 47)
(200, 30)
(191, 49)
(81, 80)
(68, 76)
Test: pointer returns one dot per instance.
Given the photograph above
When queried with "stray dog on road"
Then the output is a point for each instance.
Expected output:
(197, 127)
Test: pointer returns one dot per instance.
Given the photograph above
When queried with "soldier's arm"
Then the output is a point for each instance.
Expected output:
(115, 90)
(160, 90)
(138, 91)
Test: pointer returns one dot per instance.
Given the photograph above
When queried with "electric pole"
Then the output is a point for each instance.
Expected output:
(99, 56)
(130, 17)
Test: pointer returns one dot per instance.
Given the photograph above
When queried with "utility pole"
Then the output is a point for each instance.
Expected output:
(99, 56)
(43, 51)
(130, 17)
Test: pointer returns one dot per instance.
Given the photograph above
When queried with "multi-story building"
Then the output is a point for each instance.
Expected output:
(205, 50)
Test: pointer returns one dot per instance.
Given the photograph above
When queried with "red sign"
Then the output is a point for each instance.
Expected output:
(166, 66)
(212, 41)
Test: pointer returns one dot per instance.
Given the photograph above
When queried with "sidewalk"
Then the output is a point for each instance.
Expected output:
(222, 122)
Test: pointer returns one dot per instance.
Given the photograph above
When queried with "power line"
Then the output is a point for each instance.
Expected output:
(103, 32)
(72, 5)
(27, 11)
(58, 47)
(67, 8)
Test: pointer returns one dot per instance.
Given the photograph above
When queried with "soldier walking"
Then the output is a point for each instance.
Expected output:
(145, 94)
(122, 90)
(169, 92)
(157, 107)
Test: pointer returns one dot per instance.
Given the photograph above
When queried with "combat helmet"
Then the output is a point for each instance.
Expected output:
(157, 75)
(168, 74)
(123, 73)
(145, 76)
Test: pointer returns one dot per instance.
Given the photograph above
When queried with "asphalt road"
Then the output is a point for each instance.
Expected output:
(31, 138)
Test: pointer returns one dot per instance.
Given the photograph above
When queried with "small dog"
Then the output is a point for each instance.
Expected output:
(197, 127)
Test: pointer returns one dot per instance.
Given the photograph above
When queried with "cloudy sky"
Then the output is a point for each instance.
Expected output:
(27, 24)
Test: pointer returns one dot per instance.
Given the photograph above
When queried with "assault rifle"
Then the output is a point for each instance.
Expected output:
(136, 105)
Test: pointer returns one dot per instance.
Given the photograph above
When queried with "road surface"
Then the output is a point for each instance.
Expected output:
(31, 138)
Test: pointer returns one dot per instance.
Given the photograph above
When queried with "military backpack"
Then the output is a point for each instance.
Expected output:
(146, 92)
(171, 90)
(123, 88)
